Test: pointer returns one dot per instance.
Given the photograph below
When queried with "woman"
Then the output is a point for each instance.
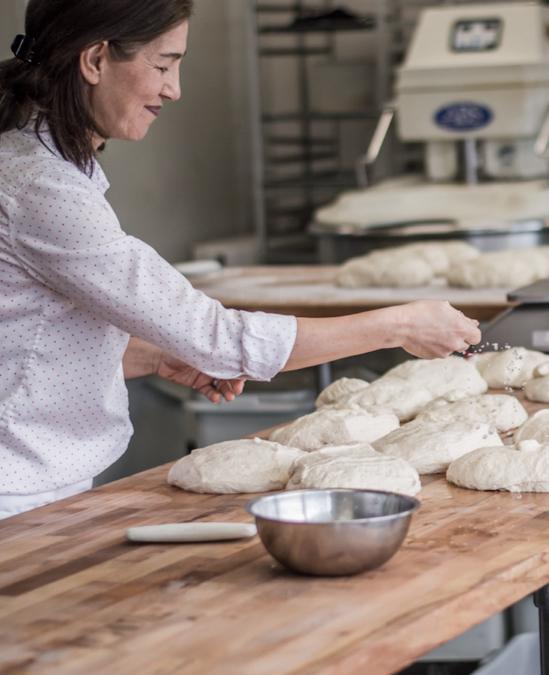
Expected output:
(75, 287)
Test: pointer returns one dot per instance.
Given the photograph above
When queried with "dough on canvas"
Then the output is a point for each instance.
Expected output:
(516, 468)
(331, 426)
(247, 465)
(354, 466)
(430, 448)
(508, 368)
(501, 411)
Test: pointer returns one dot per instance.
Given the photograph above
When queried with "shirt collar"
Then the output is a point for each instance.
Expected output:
(97, 177)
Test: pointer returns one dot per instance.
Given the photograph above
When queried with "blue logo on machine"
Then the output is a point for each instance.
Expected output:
(463, 116)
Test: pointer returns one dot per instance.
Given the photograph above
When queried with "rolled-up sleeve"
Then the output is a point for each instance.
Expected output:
(67, 237)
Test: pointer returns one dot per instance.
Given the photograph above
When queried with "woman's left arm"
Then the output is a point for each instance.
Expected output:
(142, 358)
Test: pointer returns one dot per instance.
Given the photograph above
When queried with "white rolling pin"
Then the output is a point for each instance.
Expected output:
(181, 532)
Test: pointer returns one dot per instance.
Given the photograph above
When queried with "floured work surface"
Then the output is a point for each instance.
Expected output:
(309, 290)
(76, 597)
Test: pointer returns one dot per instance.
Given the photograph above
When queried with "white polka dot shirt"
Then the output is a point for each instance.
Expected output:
(74, 288)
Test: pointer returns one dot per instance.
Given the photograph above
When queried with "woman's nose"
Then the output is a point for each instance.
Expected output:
(172, 88)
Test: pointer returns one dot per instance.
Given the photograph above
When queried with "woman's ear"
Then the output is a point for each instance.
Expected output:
(92, 60)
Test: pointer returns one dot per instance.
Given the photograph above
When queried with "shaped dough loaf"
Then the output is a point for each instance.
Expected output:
(535, 428)
(499, 410)
(340, 390)
(403, 266)
(235, 466)
(501, 269)
(522, 468)
(410, 386)
(331, 426)
(354, 466)
(509, 368)
(430, 448)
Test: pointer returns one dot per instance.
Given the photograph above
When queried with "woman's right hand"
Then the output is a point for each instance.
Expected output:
(434, 328)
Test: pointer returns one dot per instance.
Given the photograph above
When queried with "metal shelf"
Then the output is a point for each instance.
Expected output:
(294, 51)
(300, 158)
(318, 180)
(300, 141)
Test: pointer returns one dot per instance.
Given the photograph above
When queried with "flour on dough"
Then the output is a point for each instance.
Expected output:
(501, 269)
(509, 368)
(331, 426)
(431, 447)
(516, 468)
(339, 390)
(247, 465)
(535, 428)
(354, 466)
(501, 411)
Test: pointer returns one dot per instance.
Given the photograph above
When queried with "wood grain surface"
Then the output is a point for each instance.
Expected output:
(309, 290)
(75, 597)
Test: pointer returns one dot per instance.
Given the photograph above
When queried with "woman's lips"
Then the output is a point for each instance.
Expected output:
(155, 110)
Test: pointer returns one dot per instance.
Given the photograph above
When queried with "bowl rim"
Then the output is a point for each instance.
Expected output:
(415, 505)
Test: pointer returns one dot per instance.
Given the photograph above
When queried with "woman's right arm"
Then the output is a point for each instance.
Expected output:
(426, 329)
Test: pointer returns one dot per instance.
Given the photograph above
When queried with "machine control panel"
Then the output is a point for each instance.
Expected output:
(476, 35)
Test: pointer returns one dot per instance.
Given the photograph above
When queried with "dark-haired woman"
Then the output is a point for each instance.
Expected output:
(75, 287)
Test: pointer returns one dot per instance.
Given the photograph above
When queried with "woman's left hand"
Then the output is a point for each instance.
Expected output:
(142, 358)
(177, 371)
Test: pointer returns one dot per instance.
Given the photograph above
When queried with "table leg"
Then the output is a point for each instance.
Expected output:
(323, 376)
(541, 600)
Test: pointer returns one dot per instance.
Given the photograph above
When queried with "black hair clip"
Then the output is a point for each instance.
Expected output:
(23, 48)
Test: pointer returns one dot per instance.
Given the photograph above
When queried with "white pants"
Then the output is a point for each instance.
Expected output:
(11, 505)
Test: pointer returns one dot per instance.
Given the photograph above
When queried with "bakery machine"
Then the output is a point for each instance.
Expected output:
(473, 91)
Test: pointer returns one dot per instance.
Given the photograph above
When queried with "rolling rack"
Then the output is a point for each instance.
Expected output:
(298, 162)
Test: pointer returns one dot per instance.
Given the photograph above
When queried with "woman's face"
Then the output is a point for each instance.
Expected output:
(127, 96)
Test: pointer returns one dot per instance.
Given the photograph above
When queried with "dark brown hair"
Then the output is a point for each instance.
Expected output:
(52, 91)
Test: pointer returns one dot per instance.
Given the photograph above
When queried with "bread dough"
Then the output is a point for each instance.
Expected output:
(403, 266)
(392, 267)
(359, 467)
(501, 411)
(508, 368)
(340, 390)
(522, 468)
(407, 388)
(247, 465)
(535, 428)
(411, 198)
(393, 394)
(452, 378)
(502, 269)
(538, 389)
(330, 426)
(430, 448)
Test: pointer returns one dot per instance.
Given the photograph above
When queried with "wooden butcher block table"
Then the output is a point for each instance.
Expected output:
(75, 597)
(309, 290)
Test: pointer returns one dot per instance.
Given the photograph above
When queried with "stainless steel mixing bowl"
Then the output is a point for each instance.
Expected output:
(332, 532)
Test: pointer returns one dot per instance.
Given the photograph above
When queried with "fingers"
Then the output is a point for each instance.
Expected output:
(215, 389)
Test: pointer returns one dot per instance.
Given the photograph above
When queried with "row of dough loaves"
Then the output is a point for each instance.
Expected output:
(455, 263)
(421, 417)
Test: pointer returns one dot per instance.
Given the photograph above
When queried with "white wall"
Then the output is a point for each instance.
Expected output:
(189, 179)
